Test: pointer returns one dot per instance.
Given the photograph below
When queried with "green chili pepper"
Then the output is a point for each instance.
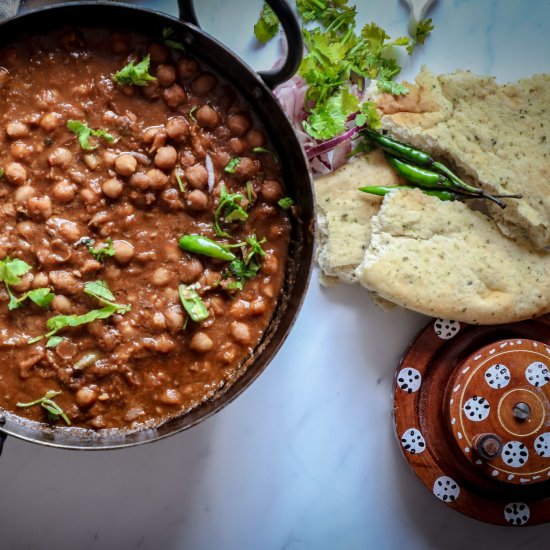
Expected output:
(199, 244)
(192, 303)
(418, 175)
(420, 158)
(441, 194)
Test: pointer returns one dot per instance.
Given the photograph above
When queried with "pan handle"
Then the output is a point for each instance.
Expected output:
(291, 29)
(3, 437)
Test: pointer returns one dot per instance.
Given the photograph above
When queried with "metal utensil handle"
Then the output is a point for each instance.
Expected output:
(291, 29)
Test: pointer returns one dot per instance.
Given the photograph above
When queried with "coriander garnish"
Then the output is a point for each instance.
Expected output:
(285, 203)
(84, 132)
(167, 32)
(232, 165)
(53, 409)
(228, 209)
(135, 74)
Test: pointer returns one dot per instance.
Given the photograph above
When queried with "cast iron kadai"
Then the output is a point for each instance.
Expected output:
(256, 89)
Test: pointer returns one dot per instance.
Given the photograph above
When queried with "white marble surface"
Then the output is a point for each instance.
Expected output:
(306, 458)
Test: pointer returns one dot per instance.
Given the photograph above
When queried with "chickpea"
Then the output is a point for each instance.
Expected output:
(24, 284)
(40, 280)
(89, 196)
(177, 129)
(174, 319)
(40, 207)
(60, 157)
(4, 76)
(258, 307)
(238, 124)
(190, 270)
(255, 138)
(236, 146)
(240, 332)
(221, 159)
(170, 396)
(26, 228)
(158, 179)
(20, 151)
(119, 43)
(61, 304)
(150, 133)
(17, 130)
(166, 157)
(85, 397)
(270, 264)
(16, 173)
(50, 121)
(164, 344)
(197, 200)
(207, 117)
(140, 181)
(24, 193)
(152, 90)
(125, 164)
(271, 191)
(166, 75)
(91, 161)
(124, 251)
(64, 191)
(174, 96)
(109, 158)
(197, 176)
(161, 276)
(203, 84)
(158, 321)
(112, 188)
(65, 282)
(187, 67)
(158, 52)
(246, 169)
(201, 342)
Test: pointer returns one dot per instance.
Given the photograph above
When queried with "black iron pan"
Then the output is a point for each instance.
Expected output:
(256, 89)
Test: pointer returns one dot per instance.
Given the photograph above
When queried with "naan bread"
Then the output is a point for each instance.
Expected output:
(344, 214)
(495, 135)
(445, 260)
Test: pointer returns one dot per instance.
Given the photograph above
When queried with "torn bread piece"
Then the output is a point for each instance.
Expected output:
(496, 136)
(445, 260)
(344, 214)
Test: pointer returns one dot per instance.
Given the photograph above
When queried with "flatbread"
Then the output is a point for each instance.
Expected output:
(497, 136)
(445, 260)
(344, 214)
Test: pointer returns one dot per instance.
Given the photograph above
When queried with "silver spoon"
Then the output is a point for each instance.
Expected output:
(418, 8)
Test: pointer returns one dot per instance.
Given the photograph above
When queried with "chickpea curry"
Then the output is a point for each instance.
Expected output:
(144, 230)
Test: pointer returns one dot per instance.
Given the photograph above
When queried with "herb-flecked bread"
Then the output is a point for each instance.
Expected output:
(445, 260)
(344, 214)
(497, 136)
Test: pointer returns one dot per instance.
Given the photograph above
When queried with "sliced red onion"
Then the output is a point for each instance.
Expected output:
(211, 174)
(330, 144)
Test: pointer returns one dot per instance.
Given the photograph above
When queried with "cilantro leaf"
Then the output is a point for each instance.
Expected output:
(54, 341)
(327, 120)
(11, 270)
(228, 210)
(423, 29)
(84, 132)
(285, 203)
(391, 87)
(267, 25)
(53, 409)
(1, 172)
(167, 32)
(247, 268)
(100, 253)
(95, 289)
(40, 296)
(192, 302)
(181, 185)
(368, 114)
(136, 74)
(232, 165)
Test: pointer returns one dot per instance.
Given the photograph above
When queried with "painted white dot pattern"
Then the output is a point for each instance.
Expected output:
(446, 329)
(477, 409)
(446, 489)
(542, 444)
(517, 513)
(497, 376)
(409, 380)
(515, 454)
(412, 441)
(537, 374)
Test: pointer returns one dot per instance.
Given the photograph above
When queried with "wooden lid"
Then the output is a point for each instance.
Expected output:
(472, 415)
